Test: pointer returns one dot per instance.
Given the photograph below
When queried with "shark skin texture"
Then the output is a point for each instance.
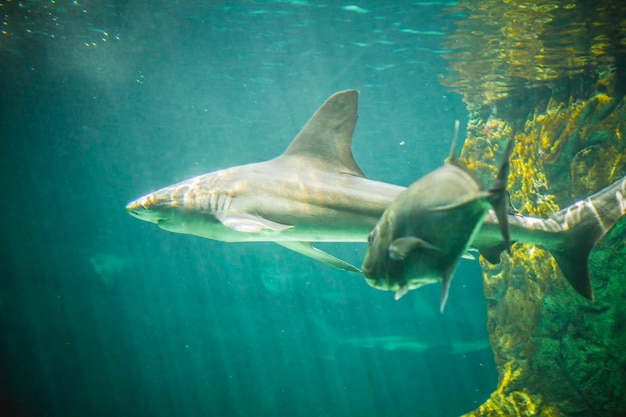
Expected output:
(316, 192)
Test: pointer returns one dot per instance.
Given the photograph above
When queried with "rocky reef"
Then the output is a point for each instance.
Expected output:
(551, 75)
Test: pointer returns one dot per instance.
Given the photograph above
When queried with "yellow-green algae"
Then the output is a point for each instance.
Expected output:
(550, 75)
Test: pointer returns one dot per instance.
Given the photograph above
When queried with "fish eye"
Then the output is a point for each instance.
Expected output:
(371, 236)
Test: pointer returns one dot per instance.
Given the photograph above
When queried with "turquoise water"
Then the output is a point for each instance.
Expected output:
(106, 315)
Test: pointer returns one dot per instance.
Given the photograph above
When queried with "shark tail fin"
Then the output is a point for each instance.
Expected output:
(499, 197)
(584, 223)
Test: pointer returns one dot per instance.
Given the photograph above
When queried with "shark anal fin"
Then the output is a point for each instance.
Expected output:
(250, 223)
(401, 247)
(307, 249)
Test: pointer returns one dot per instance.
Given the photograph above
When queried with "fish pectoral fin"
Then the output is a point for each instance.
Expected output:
(307, 249)
(401, 247)
(250, 223)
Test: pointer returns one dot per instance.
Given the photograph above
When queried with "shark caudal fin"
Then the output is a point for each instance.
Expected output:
(499, 197)
(327, 136)
(583, 224)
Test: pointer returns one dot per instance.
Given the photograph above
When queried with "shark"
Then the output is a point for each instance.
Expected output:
(316, 192)
(423, 234)
(426, 344)
(313, 192)
(393, 343)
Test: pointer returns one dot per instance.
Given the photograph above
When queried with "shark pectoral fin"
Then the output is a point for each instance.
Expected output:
(250, 223)
(307, 249)
(401, 247)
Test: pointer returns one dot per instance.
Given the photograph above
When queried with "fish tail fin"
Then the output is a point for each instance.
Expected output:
(583, 224)
(499, 197)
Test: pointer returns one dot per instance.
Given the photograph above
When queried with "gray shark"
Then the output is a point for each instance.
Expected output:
(400, 343)
(315, 192)
(423, 234)
(415, 345)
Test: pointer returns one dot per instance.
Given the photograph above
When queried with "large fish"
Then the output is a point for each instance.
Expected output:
(423, 234)
(316, 192)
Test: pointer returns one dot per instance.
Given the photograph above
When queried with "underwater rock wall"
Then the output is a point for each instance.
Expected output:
(550, 75)
(557, 353)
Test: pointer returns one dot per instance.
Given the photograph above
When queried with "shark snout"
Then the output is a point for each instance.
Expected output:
(141, 209)
(137, 206)
(134, 207)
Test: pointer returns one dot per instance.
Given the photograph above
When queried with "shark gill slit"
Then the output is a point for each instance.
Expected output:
(214, 202)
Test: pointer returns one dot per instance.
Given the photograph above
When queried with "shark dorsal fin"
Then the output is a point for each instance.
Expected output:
(327, 136)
